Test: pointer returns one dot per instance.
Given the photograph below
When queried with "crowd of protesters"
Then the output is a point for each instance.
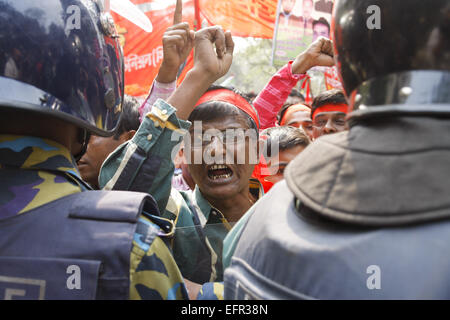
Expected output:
(204, 167)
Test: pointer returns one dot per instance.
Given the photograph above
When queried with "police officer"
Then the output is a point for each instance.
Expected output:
(365, 214)
(61, 78)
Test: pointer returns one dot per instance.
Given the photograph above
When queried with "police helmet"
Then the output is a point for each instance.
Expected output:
(393, 56)
(61, 58)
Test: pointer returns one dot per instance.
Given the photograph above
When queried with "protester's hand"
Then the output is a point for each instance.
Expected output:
(319, 53)
(178, 42)
(213, 55)
(211, 62)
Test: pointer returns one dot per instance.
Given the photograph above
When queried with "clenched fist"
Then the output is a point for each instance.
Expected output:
(318, 54)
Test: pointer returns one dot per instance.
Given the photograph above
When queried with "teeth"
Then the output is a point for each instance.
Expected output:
(222, 176)
(218, 167)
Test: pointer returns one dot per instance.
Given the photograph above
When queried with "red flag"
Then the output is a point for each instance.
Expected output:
(143, 51)
(244, 18)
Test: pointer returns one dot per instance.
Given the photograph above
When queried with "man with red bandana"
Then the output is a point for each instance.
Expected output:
(299, 116)
(328, 113)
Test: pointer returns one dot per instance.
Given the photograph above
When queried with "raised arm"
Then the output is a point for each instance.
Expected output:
(145, 163)
(275, 93)
(178, 41)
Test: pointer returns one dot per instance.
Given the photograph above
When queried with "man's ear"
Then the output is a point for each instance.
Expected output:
(128, 135)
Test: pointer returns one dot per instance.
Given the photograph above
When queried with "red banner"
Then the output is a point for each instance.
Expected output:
(244, 18)
(143, 51)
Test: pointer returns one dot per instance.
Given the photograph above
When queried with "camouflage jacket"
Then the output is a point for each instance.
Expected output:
(35, 171)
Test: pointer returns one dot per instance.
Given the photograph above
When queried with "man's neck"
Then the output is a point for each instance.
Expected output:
(235, 207)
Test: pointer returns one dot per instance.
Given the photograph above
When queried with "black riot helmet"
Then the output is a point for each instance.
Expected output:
(394, 56)
(61, 58)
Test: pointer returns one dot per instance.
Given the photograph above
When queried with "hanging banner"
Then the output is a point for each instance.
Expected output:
(298, 24)
(244, 18)
(143, 52)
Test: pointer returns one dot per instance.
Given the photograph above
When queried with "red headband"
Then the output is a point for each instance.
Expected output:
(226, 95)
(331, 108)
(293, 109)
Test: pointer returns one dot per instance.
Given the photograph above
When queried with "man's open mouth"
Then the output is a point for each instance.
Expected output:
(219, 171)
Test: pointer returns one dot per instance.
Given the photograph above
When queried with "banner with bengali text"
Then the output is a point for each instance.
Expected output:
(143, 52)
(244, 18)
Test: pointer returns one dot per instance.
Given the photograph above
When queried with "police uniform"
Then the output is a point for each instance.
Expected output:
(36, 174)
(58, 239)
(364, 214)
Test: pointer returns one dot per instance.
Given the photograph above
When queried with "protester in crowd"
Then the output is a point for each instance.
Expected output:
(328, 112)
(275, 94)
(223, 192)
(362, 213)
(166, 80)
(99, 147)
(217, 204)
(52, 226)
(182, 179)
(297, 115)
(281, 146)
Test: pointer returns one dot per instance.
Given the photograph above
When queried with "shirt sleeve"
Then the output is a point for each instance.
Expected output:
(274, 95)
(158, 91)
(154, 274)
(144, 163)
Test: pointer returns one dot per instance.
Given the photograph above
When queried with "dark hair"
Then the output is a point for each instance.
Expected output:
(250, 95)
(130, 116)
(296, 93)
(322, 21)
(213, 110)
(287, 137)
(334, 96)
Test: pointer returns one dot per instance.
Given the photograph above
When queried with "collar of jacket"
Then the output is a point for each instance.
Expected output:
(383, 172)
(36, 154)
(206, 208)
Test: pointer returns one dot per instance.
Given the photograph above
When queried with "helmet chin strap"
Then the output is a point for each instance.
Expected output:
(83, 139)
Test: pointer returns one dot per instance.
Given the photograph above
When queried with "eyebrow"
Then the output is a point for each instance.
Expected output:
(334, 113)
(292, 122)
